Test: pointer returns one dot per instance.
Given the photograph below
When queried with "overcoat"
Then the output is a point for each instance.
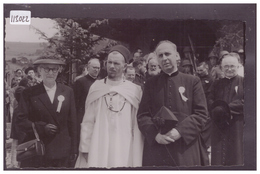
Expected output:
(227, 139)
(35, 106)
(183, 95)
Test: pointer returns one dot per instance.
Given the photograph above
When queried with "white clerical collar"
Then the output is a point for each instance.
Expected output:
(92, 76)
(50, 89)
(114, 83)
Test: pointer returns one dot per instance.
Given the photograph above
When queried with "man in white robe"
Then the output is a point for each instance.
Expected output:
(109, 132)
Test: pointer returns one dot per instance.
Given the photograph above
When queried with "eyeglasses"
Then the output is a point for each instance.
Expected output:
(47, 69)
(230, 67)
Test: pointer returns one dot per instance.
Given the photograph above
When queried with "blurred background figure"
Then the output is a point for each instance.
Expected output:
(16, 135)
(140, 70)
(152, 66)
(187, 67)
(216, 72)
(82, 71)
(18, 75)
(137, 55)
(206, 79)
(221, 55)
(140, 51)
(242, 56)
(130, 73)
(178, 60)
(29, 79)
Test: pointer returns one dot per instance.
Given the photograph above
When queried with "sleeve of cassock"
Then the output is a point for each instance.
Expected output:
(192, 125)
(145, 124)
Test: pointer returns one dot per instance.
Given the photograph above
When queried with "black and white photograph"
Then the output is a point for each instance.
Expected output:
(129, 86)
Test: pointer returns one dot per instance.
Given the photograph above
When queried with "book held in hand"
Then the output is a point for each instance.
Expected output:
(165, 120)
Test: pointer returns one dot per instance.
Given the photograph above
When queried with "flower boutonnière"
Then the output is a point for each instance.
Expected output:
(61, 98)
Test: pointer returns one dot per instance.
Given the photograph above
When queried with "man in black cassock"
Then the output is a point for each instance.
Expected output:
(226, 103)
(81, 89)
(183, 95)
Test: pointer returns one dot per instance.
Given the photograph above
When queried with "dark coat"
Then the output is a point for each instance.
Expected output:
(81, 89)
(163, 90)
(35, 106)
(139, 80)
(206, 82)
(227, 138)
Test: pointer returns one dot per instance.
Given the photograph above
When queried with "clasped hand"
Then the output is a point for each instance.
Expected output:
(51, 129)
(168, 138)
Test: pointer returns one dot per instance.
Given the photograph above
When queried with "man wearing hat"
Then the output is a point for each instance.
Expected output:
(226, 104)
(50, 106)
(216, 72)
(183, 95)
(187, 67)
(109, 134)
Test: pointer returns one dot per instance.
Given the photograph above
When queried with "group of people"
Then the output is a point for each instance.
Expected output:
(145, 112)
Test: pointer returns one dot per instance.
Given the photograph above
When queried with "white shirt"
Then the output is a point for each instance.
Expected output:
(51, 91)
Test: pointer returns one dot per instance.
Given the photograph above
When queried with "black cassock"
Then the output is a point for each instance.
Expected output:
(227, 139)
(184, 96)
(81, 89)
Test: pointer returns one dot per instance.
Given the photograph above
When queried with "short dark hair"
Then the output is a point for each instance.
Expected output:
(81, 69)
(129, 67)
(204, 64)
(137, 62)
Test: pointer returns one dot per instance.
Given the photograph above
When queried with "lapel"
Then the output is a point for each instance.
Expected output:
(51, 107)
(59, 91)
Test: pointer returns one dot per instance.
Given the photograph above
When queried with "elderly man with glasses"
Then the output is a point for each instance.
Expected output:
(226, 102)
(50, 107)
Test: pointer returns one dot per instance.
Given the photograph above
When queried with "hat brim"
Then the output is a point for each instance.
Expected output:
(48, 61)
(220, 103)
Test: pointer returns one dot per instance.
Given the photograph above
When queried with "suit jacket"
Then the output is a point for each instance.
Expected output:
(35, 106)
(191, 111)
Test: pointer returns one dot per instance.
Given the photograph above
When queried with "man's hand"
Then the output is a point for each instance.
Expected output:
(85, 155)
(163, 139)
(174, 134)
(50, 129)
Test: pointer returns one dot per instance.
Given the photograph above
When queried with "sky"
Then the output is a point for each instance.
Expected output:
(26, 33)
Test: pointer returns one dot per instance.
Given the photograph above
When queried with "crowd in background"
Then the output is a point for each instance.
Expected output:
(139, 70)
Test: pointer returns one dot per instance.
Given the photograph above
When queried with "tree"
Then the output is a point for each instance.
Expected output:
(231, 37)
(72, 43)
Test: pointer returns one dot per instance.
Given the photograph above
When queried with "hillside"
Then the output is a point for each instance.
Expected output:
(18, 49)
